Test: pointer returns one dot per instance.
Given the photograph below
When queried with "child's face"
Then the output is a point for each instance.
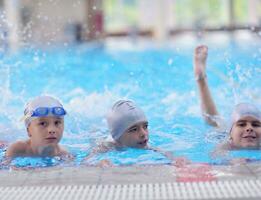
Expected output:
(246, 133)
(46, 131)
(136, 136)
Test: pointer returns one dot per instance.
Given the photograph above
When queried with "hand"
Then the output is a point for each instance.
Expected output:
(200, 57)
(105, 163)
(181, 162)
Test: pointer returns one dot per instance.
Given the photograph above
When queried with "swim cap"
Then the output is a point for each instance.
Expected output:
(41, 101)
(123, 115)
(243, 110)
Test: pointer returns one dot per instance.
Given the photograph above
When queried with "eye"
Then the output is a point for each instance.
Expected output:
(132, 130)
(43, 124)
(241, 124)
(256, 124)
(145, 126)
(57, 122)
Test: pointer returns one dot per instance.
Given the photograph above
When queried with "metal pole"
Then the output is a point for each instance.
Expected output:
(231, 14)
(11, 8)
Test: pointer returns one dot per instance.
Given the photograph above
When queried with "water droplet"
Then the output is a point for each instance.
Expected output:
(170, 61)
(36, 58)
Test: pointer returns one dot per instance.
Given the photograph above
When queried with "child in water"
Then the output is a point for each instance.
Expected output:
(245, 123)
(44, 122)
(128, 126)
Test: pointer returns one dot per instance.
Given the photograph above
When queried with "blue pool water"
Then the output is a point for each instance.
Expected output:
(88, 79)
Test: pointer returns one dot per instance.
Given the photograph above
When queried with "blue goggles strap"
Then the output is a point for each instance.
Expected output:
(44, 111)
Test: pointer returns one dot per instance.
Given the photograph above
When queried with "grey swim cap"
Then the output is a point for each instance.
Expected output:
(243, 110)
(41, 101)
(123, 115)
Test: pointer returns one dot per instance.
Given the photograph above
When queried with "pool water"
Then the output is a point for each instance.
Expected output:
(88, 79)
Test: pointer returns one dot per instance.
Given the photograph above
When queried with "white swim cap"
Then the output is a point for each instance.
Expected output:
(38, 102)
(244, 110)
(123, 115)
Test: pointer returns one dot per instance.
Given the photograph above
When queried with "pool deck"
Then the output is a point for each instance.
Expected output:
(86, 175)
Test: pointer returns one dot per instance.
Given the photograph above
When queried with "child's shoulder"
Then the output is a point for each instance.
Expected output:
(21, 144)
(17, 148)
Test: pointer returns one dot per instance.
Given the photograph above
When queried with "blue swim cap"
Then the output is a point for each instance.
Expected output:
(122, 116)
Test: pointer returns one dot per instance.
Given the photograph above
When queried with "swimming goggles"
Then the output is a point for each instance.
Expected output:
(44, 111)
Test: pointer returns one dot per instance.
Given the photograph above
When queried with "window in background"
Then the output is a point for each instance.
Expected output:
(192, 14)
(259, 13)
(120, 14)
(241, 12)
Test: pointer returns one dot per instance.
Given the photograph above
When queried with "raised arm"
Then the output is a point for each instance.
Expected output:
(207, 104)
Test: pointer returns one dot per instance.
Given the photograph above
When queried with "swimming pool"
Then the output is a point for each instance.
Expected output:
(88, 79)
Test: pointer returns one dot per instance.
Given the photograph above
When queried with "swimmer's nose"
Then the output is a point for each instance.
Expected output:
(143, 133)
(51, 130)
(249, 129)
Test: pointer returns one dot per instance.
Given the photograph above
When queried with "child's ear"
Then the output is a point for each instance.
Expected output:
(28, 132)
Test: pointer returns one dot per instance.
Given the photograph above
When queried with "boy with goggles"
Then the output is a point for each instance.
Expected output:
(245, 123)
(44, 121)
